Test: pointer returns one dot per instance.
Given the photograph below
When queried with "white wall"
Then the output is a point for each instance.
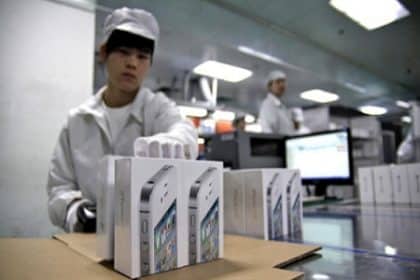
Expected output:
(46, 67)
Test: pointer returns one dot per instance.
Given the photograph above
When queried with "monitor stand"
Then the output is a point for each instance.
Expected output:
(321, 190)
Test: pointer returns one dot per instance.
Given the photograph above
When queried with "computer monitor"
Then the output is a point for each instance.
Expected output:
(323, 158)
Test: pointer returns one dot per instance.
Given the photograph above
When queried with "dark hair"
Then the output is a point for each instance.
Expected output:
(237, 120)
(120, 39)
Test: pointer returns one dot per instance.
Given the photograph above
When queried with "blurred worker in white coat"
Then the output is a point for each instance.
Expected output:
(409, 149)
(274, 116)
(109, 122)
(298, 122)
(406, 151)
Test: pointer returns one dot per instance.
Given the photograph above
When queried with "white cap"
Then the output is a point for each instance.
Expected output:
(275, 75)
(297, 115)
(135, 21)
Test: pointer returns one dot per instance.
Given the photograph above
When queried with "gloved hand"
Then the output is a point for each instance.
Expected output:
(82, 216)
(160, 147)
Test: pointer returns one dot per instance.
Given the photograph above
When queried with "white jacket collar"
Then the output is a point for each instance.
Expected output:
(93, 105)
(274, 99)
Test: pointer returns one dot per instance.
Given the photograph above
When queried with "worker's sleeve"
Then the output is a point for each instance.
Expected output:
(171, 125)
(61, 186)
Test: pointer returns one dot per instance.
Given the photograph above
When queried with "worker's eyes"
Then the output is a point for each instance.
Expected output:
(128, 52)
(123, 51)
(143, 56)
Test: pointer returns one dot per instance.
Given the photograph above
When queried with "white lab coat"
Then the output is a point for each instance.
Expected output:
(85, 139)
(406, 151)
(274, 117)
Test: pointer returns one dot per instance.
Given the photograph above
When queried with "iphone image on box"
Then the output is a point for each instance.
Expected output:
(204, 218)
(158, 221)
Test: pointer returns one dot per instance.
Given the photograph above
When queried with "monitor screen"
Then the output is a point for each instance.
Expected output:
(321, 157)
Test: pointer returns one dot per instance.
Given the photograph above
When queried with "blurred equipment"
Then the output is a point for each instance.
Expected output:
(239, 150)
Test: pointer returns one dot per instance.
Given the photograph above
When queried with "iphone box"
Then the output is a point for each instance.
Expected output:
(400, 186)
(105, 208)
(266, 203)
(366, 187)
(202, 190)
(234, 202)
(413, 171)
(293, 186)
(256, 202)
(160, 205)
(382, 181)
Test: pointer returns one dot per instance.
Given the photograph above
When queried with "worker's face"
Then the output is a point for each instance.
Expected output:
(127, 68)
(241, 125)
(277, 87)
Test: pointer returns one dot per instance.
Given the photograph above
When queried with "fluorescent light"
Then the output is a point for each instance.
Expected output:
(406, 119)
(403, 104)
(390, 250)
(200, 141)
(371, 14)
(319, 95)
(373, 110)
(260, 55)
(224, 115)
(193, 111)
(223, 71)
(249, 118)
(319, 276)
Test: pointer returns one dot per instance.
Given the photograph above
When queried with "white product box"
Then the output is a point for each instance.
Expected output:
(234, 202)
(149, 187)
(294, 205)
(401, 192)
(382, 181)
(155, 209)
(202, 185)
(366, 187)
(256, 202)
(266, 202)
(105, 208)
(413, 171)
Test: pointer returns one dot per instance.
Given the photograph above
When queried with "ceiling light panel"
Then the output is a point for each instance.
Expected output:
(373, 110)
(222, 71)
(319, 95)
(371, 14)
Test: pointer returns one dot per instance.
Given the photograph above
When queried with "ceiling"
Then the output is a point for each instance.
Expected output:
(318, 48)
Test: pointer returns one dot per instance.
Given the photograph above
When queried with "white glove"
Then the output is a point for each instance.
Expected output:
(160, 147)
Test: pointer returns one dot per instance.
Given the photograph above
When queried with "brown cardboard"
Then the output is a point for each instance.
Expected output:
(48, 259)
(244, 257)
(72, 256)
(85, 244)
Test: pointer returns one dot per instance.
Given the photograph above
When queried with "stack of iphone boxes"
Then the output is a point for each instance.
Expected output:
(162, 214)
(263, 203)
(387, 184)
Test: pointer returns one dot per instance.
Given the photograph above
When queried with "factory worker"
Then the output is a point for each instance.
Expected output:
(121, 115)
(239, 123)
(274, 117)
(406, 151)
(298, 122)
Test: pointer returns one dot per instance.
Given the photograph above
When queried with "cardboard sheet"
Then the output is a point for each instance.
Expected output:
(72, 256)
(48, 259)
